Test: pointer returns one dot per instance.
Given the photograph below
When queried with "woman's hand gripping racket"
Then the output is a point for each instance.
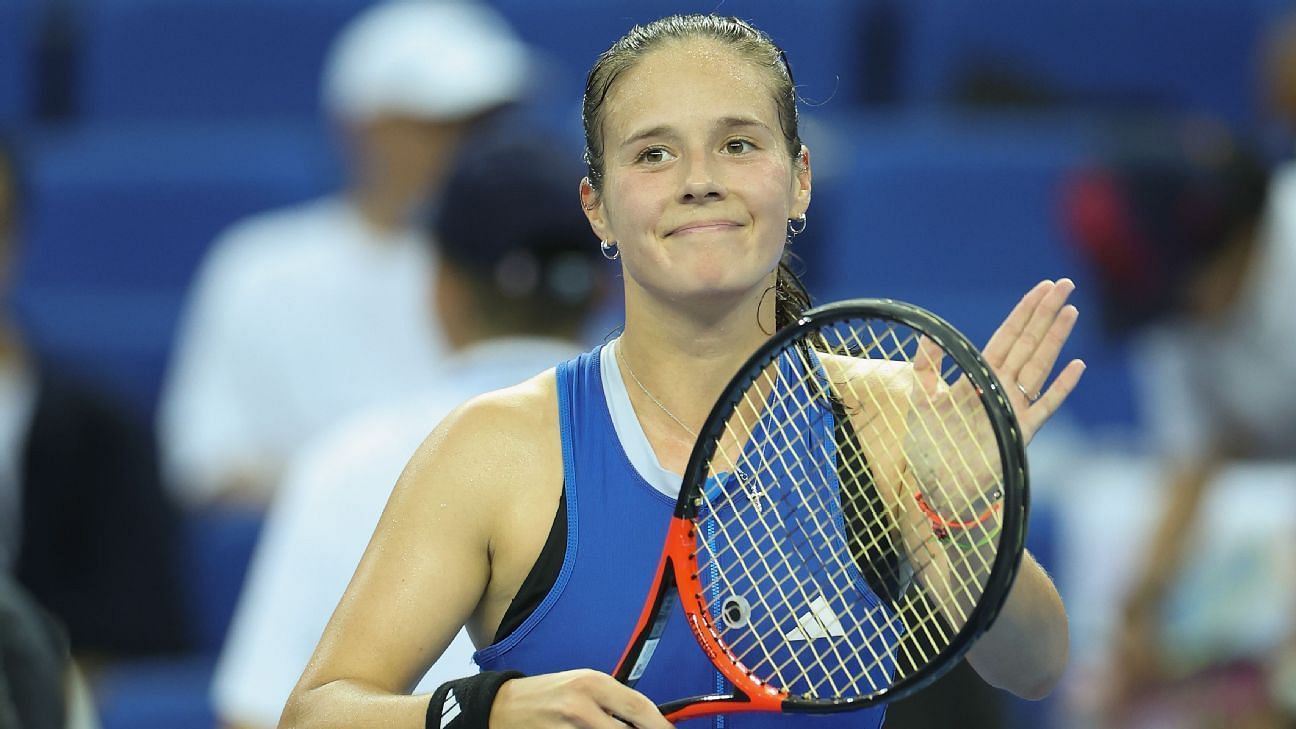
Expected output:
(853, 513)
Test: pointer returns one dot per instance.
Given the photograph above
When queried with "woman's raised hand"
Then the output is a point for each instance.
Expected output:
(1025, 348)
(949, 435)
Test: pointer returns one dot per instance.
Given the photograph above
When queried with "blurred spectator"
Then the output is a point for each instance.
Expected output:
(1194, 247)
(85, 525)
(517, 282)
(302, 316)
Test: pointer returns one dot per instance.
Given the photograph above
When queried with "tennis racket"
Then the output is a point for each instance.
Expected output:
(851, 518)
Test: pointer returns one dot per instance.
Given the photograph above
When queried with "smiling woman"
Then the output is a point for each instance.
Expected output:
(534, 514)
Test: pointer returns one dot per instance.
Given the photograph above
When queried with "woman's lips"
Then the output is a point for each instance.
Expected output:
(704, 226)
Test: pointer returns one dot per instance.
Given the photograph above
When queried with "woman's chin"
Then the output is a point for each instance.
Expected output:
(721, 285)
(713, 279)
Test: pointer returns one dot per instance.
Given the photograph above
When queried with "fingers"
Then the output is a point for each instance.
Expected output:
(581, 698)
(1052, 398)
(996, 350)
(1035, 370)
(1025, 348)
(927, 365)
(1029, 344)
(624, 705)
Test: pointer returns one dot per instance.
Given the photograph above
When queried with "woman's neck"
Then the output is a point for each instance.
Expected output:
(684, 354)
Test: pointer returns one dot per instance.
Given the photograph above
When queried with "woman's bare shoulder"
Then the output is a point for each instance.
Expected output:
(492, 442)
(510, 412)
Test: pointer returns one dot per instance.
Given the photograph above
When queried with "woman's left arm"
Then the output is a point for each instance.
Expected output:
(1026, 650)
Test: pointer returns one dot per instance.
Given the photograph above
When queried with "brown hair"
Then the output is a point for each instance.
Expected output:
(749, 43)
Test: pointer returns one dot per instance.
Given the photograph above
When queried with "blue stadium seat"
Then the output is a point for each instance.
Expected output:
(931, 202)
(173, 693)
(959, 215)
(121, 216)
(182, 59)
(19, 23)
(220, 544)
(156, 694)
(819, 36)
(1194, 54)
(136, 205)
(119, 341)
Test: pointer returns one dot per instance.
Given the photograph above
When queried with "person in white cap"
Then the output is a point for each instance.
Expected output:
(302, 316)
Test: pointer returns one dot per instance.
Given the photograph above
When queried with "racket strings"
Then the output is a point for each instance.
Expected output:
(796, 659)
(925, 629)
(793, 489)
(952, 438)
(820, 534)
(762, 518)
(963, 403)
(838, 571)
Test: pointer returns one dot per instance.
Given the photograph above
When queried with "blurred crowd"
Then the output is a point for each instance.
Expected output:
(173, 540)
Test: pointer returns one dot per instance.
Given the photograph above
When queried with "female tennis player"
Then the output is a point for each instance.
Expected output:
(535, 515)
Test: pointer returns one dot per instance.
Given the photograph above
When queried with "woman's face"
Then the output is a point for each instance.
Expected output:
(698, 184)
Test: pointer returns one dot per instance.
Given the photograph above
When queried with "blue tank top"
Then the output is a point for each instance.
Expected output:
(616, 522)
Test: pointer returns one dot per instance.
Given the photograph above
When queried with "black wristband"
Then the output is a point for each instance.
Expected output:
(465, 703)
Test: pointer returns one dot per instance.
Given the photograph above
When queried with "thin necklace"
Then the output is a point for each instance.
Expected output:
(647, 392)
(754, 492)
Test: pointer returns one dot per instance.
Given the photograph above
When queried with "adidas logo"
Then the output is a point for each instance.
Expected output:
(449, 709)
(818, 622)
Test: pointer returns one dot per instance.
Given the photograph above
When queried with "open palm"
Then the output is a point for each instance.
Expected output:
(1024, 349)
(950, 441)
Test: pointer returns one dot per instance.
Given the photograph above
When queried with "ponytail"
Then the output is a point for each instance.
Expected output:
(790, 296)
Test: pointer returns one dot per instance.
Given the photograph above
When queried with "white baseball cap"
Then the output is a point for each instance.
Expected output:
(427, 59)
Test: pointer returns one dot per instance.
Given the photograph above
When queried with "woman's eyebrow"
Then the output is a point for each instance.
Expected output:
(730, 122)
(660, 130)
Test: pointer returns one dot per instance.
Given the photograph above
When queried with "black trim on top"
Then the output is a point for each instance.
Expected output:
(542, 577)
(878, 559)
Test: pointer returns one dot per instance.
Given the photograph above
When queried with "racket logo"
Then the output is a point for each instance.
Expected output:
(818, 622)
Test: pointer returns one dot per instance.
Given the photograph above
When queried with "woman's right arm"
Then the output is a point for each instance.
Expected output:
(426, 571)
(420, 579)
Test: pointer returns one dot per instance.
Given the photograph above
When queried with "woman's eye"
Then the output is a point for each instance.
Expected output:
(738, 146)
(655, 155)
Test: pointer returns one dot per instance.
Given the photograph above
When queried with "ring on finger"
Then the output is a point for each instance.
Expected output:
(1027, 393)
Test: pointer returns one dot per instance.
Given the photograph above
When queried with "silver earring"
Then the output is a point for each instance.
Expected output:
(793, 229)
(610, 250)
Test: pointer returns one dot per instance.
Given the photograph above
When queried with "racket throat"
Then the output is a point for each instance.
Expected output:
(651, 625)
(700, 706)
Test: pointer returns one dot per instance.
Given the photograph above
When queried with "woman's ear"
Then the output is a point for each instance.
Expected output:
(592, 204)
(802, 178)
